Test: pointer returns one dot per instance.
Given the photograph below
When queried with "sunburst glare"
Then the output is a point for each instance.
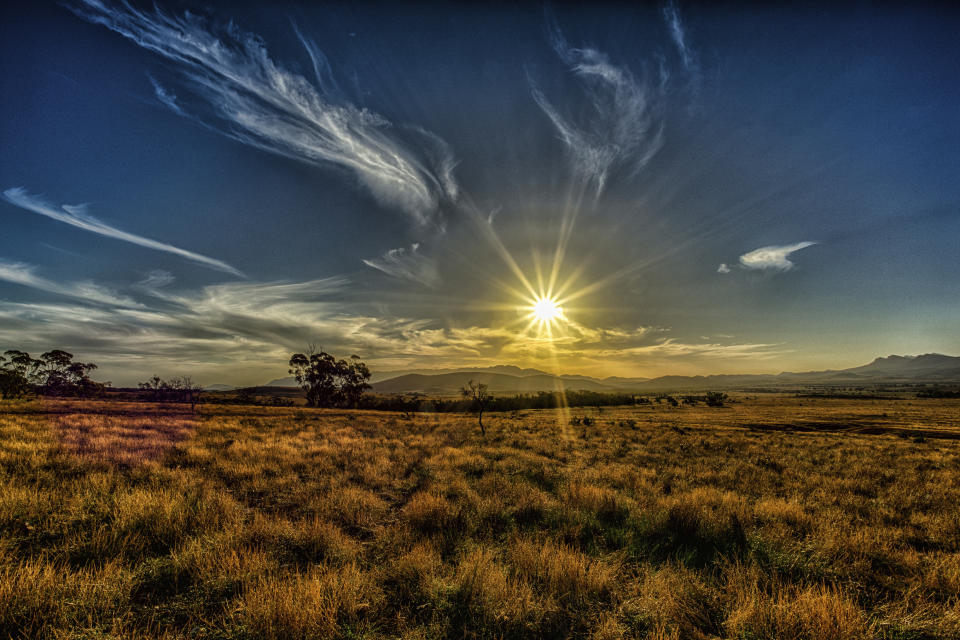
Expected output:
(546, 310)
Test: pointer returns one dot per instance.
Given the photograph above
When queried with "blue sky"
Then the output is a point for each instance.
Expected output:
(204, 188)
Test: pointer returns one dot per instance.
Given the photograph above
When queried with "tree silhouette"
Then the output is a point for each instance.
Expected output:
(153, 388)
(329, 382)
(53, 374)
(21, 363)
(64, 377)
(13, 382)
(479, 397)
(180, 389)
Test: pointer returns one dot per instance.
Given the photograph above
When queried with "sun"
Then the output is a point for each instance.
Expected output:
(546, 310)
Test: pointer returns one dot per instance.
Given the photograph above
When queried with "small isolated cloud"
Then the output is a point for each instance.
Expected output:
(772, 257)
(723, 268)
(167, 98)
(408, 264)
(77, 216)
(157, 279)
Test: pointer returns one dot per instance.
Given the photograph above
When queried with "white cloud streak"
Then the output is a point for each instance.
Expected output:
(24, 274)
(625, 127)
(165, 97)
(267, 107)
(76, 216)
(243, 332)
(671, 14)
(672, 348)
(408, 264)
(156, 279)
(773, 257)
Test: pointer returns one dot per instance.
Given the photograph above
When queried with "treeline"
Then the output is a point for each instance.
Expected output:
(178, 389)
(541, 400)
(52, 374)
(937, 392)
(249, 396)
(325, 380)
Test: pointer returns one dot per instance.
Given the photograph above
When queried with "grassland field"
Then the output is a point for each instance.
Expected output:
(774, 517)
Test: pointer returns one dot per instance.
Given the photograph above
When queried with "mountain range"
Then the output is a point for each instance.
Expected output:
(219, 387)
(505, 369)
(508, 379)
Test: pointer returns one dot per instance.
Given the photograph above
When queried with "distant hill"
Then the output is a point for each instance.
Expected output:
(379, 376)
(509, 379)
(502, 384)
(929, 368)
(219, 387)
(704, 383)
(498, 383)
(617, 381)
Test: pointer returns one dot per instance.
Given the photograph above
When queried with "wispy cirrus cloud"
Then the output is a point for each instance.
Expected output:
(259, 103)
(671, 14)
(156, 279)
(266, 299)
(672, 348)
(408, 264)
(25, 275)
(625, 125)
(773, 258)
(167, 98)
(243, 332)
(237, 318)
(77, 216)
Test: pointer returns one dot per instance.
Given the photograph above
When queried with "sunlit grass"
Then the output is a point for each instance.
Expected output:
(652, 522)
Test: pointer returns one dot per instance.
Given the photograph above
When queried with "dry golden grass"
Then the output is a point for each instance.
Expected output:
(121, 439)
(773, 518)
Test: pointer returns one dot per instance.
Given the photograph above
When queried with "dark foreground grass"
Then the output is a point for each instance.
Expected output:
(135, 521)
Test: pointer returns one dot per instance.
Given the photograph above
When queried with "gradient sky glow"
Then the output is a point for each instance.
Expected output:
(203, 188)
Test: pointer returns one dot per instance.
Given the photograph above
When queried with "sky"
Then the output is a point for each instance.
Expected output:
(205, 188)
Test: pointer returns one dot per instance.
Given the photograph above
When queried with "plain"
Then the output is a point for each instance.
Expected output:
(774, 517)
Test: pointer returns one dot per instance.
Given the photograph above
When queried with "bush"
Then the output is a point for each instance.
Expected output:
(716, 398)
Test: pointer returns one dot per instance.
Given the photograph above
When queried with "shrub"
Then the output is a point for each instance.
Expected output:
(715, 398)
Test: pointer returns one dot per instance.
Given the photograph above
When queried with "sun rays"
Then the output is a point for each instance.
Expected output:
(546, 310)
